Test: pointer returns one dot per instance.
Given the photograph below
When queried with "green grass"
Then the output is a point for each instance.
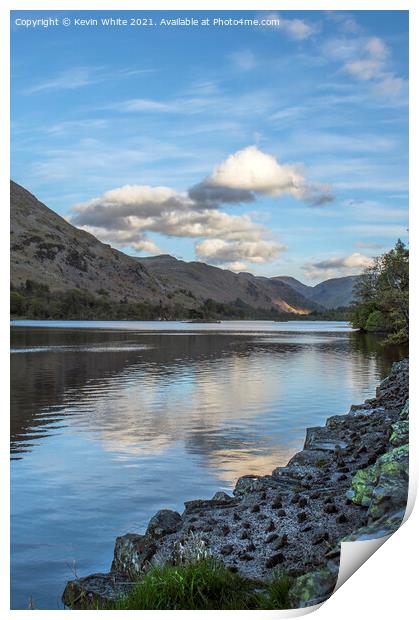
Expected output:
(277, 594)
(203, 584)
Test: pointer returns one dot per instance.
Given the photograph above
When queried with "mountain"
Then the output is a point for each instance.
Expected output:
(333, 293)
(205, 281)
(298, 286)
(48, 250)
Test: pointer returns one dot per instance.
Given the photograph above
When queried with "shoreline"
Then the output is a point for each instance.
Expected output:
(349, 482)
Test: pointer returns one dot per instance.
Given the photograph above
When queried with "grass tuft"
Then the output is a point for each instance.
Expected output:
(203, 584)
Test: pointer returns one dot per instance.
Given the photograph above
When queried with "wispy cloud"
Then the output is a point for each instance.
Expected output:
(298, 29)
(68, 80)
(78, 77)
(368, 60)
(243, 60)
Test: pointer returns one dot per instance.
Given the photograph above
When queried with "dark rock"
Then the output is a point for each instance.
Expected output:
(277, 503)
(330, 509)
(131, 552)
(164, 522)
(274, 560)
(320, 538)
(302, 516)
(280, 542)
(269, 539)
(96, 591)
(227, 549)
(220, 496)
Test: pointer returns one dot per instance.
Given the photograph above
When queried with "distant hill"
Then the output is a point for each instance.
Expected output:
(48, 250)
(333, 293)
(206, 281)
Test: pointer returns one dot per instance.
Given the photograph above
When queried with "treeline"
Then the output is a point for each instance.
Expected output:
(382, 296)
(334, 314)
(34, 300)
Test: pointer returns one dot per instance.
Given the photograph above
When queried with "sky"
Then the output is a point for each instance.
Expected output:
(278, 148)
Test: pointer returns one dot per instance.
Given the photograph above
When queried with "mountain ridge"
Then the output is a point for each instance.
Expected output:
(48, 250)
(331, 293)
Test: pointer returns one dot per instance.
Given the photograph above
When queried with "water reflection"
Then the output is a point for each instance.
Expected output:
(106, 419)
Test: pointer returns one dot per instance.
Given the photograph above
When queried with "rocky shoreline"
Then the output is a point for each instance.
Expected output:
(350, 482)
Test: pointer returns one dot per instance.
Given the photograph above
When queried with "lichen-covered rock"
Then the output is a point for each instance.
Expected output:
(164, 522)
(363, 484)
(131, 553)
(313, 588)
(383, 487)
(393, 485)
(95, 591)
(400, 433)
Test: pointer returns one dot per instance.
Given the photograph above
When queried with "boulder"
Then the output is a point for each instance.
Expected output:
(131, 553)
(313, 588)
(95, 591)
(383, 487)
(164, 522)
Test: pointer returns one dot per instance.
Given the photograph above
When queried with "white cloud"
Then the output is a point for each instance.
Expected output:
(145, 105)
(253, 170)
(69, 80)
(295, 28)
(244, 60)
(235, 266)
(370, 64)
(125, 214)
(78, 77)
(337, 266)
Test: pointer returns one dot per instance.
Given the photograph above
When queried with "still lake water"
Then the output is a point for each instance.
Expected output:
(112, 421)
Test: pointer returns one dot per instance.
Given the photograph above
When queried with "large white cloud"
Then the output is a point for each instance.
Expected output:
(125, 215)
(253, 170)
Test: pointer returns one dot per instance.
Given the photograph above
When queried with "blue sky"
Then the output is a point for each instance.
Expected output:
(275, 149)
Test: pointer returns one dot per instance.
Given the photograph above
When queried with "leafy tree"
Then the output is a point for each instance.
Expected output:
(382, 295)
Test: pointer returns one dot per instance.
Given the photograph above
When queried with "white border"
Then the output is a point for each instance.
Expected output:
(386, 586)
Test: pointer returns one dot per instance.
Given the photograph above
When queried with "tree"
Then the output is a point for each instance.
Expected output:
(382, 295)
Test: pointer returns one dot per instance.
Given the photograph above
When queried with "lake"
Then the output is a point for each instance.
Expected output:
(112, 421)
